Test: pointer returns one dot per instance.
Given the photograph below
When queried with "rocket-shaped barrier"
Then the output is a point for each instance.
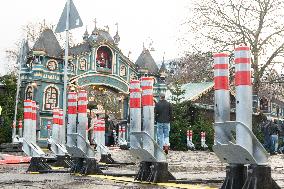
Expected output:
(189, 142)
(135, 111)
(72, 117)
(153, 161)
(222, 93)
(82, 119)
(20, 126)
(235, 142)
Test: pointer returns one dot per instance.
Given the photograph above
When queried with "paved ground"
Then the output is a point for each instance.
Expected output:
(195, 166)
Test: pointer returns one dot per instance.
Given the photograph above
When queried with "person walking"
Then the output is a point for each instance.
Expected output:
(274, 132)
(163, 117)
(265, 128)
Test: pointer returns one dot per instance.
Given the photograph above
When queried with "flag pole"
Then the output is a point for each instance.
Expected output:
(17, 92)
(65, 73)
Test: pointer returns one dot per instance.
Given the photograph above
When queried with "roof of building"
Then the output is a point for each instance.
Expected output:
(48, 43)
(99, 35)
(80, 48)
(146, 61)
(193, 91)
(163, 68)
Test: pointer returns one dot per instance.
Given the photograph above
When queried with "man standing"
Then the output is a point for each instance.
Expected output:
(274, 132)
(163, 117)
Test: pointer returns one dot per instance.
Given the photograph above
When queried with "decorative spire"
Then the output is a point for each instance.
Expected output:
(86, 34)
(116, 37)
(95, 21)
(95, 31)
(107, 28)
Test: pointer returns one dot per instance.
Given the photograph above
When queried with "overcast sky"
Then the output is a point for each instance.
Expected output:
(139, 21)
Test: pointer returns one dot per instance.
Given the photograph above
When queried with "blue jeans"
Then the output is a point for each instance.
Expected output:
(274, 143)
(163, 132)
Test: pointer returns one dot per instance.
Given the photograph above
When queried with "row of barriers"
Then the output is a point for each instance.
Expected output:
(234, 144)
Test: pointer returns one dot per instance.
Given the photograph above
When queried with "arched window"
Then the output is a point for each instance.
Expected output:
(83, 64)
(71, 67)
(29, 93)
(133, 76)
(51, 98)
(122, 71)
(104, 57)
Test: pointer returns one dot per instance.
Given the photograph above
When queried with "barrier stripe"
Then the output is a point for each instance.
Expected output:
(220, 55)
(135, 95)
(135, 103)
(242, 60)
(242, 48)
(147, 92)
(20, 125)
(243, 78)
(221, 66)
(72, 103)
(82, 108)
(147, 100)
(221, 83)
(60, 120)
(220, 72)
(146, 88)
(242, 67)
(135, 90)
(72, 100)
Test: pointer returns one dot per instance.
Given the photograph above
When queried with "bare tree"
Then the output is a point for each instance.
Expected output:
(193, 67)
(220, 25)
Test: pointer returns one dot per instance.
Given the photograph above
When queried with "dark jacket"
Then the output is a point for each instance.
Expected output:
(163, 112)
(274, 130)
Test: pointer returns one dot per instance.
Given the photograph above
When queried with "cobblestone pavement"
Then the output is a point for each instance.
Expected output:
(197, 167)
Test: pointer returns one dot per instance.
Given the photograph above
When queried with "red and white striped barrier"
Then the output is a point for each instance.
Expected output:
(189, 135)
(55, 125)
(20, 127)
(82, 119)
(60, 127)
(148, 105)
(243, 96)
(72, 116)
(222, 93)
(33, 131)
(135, 110)
(27, 119)
(101, 131)
(148, 111)
(48, 127)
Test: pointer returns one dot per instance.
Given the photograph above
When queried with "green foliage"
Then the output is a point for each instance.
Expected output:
(177, 93)
(7, 102)
(188, 117)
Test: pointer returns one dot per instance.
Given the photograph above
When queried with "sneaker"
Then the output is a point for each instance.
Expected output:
(166, 149)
